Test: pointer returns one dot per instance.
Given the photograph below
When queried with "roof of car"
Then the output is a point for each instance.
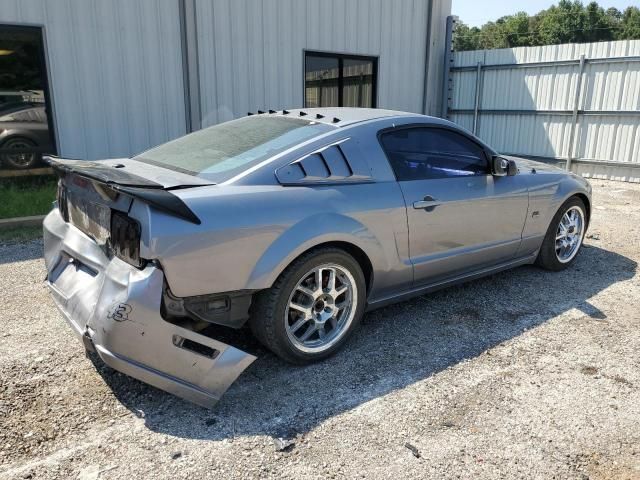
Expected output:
(340, 116)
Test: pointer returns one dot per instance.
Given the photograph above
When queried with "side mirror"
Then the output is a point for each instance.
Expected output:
(502, 167)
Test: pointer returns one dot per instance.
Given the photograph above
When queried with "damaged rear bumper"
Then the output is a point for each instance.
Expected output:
(115, 309)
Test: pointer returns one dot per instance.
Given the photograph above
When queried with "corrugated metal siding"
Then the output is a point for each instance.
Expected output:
(610, 138)
(548, 53)
(251, 51)
(115, 69)
(117, 74)
(611, 87)
(532, 88)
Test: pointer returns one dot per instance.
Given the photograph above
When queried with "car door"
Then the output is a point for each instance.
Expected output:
(460, 217)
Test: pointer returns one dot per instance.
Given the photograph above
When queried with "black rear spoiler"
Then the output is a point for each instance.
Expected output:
(120, 180)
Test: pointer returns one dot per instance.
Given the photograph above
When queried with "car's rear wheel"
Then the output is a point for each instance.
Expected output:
(312, 308)
(22, 159)
(564, 236)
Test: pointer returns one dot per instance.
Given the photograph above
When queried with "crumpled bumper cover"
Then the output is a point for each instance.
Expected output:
(115, 309)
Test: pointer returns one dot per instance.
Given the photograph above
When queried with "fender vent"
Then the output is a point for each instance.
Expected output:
(337, 163)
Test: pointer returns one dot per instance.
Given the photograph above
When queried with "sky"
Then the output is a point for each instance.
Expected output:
(478, 12)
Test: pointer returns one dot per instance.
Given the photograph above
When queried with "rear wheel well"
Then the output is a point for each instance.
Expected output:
(356, 252)
(18, 137)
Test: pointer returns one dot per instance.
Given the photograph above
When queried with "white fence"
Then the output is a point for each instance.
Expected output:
(577, 103)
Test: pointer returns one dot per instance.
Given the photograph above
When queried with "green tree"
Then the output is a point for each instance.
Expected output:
(596, 25)
(492, 36)
(570, 21)
(630, 24)
(561, 23)
(614, 14)
(465, 37)
(516, 30)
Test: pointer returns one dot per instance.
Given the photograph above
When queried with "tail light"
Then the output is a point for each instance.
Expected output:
(125, 238)
(61, 199)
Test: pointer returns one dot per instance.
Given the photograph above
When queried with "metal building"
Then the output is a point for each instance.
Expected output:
(119, 76)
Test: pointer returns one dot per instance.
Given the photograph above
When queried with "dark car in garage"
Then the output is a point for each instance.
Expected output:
(24, 135)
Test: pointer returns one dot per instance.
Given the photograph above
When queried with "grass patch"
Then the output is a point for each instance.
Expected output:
(19, 234)
(26, 196)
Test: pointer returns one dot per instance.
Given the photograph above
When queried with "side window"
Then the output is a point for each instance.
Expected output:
(427, 153)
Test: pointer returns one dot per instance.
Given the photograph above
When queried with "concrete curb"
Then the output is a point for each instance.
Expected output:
(26, 173)
(35, 221)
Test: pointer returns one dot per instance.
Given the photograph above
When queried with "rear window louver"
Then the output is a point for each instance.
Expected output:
(337, 163)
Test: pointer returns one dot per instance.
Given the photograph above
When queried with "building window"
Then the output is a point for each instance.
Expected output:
(25, 120)
(336, 80)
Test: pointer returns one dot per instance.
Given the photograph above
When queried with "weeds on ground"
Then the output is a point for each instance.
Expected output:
(26, 196)
(19, 234)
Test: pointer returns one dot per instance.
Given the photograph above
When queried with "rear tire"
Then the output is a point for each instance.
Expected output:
(312, 308)
(22, 160)
(564, 237)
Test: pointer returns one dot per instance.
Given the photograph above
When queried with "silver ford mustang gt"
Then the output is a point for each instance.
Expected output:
(295, 223)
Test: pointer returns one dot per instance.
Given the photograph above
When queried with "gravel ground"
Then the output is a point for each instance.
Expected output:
(526, 374)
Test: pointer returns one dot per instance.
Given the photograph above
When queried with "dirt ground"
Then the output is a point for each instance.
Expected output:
(525, 374)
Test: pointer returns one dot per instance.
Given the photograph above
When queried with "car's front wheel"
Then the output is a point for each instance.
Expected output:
(564, 236)
(312, 308)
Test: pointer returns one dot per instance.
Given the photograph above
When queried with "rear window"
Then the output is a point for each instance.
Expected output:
(220, 152)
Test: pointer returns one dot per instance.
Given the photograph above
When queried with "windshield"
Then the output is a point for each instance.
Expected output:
(220, 152)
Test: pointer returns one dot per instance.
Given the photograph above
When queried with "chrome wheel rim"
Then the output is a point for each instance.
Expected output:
(569, 234)
(321, 308)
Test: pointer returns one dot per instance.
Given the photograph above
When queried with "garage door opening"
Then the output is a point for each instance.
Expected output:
(26, 130)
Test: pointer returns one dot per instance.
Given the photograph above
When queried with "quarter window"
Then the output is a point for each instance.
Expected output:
(333, 80)
(429, 153)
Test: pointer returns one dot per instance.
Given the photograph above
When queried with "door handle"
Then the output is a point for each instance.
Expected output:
(428, 204)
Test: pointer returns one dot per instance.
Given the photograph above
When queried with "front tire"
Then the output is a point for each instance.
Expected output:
(564, 237)
(312, 308)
